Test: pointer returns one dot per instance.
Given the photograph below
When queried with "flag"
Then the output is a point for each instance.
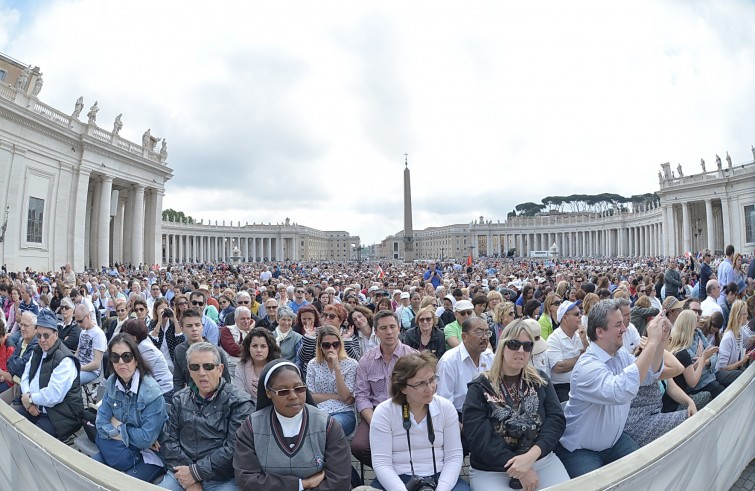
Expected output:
(469, 260)
(381, 273)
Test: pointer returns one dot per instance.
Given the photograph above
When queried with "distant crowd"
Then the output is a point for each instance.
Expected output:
(273, 375)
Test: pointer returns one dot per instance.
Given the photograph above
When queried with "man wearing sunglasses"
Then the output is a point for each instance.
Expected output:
(462, 364)
(298, 300)
(565, 345)
(210, 331)
(191, 324)
(50, 384)
(200, 435)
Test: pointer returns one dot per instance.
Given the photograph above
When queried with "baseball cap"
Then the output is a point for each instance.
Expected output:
(565, 307)
(463, 305)
(405, 295)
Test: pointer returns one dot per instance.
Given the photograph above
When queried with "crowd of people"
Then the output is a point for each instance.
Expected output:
(260, 376)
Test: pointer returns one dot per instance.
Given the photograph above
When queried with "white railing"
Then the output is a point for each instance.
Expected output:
(7, 92)
(52, 114)
(707, 452)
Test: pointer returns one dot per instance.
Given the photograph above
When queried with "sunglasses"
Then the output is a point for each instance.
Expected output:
(197, 304)
(330, 315)
(465, 312)
(515, 344)
(127, 357)
(301, 389)
(328, 345)
(271, 306)
(121, 310)
(45, 335)
(244, 302)
(425, 319)
(194, 367)
(141, 310)
(65, 307)
(181, 304)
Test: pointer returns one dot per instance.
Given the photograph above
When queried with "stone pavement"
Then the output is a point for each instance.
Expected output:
(746, 481)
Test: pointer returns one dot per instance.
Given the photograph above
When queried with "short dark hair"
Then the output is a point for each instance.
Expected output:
(598, 317)
(381, 314)
(136, 328)
(273, 350)
(407, 367)
(198, 293)
(190, 313)
(729, 250)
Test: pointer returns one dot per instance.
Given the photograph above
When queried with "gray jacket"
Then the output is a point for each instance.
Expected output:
(201, 433)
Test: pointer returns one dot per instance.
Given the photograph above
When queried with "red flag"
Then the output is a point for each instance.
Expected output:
(469, 260)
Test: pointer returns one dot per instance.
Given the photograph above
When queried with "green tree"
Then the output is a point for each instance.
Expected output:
(177, 216)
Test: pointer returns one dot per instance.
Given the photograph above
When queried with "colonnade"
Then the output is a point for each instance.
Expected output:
(117, 215)
(639, 240)
(179, 248)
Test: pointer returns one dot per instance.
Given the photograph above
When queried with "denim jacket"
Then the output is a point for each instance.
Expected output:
(142, 415)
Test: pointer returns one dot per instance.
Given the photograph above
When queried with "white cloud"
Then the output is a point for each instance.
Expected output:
(304, 109)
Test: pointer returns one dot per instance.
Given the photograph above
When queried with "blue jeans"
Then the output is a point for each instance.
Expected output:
(347, 420)
(142, 471)
(582, 461)
(461, 484)
(86, 377)
(170, 482)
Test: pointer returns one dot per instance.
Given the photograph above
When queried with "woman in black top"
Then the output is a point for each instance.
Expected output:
(426, 336)
(513, 420)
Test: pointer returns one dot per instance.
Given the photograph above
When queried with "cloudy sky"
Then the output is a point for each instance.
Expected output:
(305, 109)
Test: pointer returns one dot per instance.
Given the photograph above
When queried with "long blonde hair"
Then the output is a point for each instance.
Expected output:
(328, 330)
(683, 332)
(500, 310)
(529, 374)
(736, 309)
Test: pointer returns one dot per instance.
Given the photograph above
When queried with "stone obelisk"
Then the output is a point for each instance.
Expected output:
(408, 229)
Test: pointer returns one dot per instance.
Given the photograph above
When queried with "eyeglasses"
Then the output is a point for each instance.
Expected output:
(465, 313)
(274, 306)
(127, 357)
(301, 389)
(333, 345)
(299, 291)
(425, 319)
(515, 344)
(181, 304)
(194, 367)
(121, 310)
(244, 302)
(330, 315)
(65, 307)
(480, 333)
(424, 385)
(140, 309)
(197, 304)
(45, 335)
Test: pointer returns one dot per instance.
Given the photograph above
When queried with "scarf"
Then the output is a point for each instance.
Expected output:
(280, 336)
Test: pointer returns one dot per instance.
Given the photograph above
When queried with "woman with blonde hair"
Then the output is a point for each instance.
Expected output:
(731, 355)
(547, 321)
(427, 335)
(513, 420)
(591, 299)
(503, 314)
(690, 347)
(332, 376)
(562, 288)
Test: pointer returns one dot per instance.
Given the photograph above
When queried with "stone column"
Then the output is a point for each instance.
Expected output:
(128, 224)
(137, 231)
(118, 232)
(685, 228)
(103, 222)
(78, 225)
(709, 225)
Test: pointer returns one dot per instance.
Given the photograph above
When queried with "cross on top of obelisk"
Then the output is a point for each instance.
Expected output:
(406, 160)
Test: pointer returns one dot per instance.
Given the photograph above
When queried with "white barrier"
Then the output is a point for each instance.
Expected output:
(707, 452)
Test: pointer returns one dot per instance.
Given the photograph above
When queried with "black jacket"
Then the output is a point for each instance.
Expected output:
(436, 346)
(202, 433)
(69, 335)
(488, 450)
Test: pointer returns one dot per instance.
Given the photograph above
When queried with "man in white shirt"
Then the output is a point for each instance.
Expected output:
(604, 382)
(51, 394)
(462, 364)
(565, 346)
(710, 304)
(632, 336)
(92, 346)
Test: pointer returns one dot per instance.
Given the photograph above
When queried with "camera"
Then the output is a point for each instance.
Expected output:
(421, 484)
(167, 314)
(523, 430)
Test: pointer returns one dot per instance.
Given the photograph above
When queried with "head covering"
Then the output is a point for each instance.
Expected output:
(671, 303)
(405, 295)
(262, 399)
(463, 305)
(565, 307)
(541, 344)
(47, 319)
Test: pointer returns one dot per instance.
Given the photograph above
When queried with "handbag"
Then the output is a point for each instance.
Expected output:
(116, 454)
